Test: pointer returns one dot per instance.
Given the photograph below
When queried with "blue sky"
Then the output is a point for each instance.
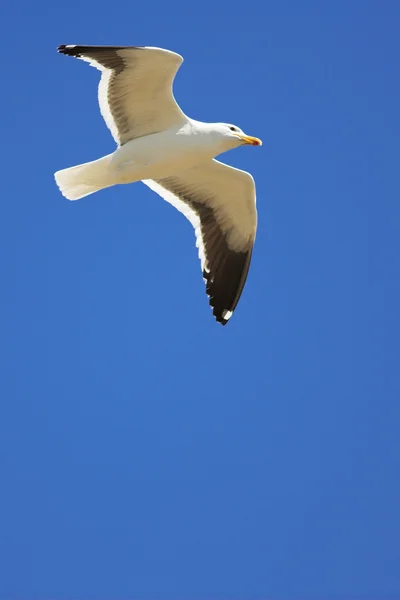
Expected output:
(145, 451)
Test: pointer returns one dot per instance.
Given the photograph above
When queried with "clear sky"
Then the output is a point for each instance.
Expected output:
(146, 452)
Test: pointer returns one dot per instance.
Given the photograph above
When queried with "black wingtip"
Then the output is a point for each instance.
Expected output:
(223, 322)
(219, 318)
(69, 50)
(218, 310)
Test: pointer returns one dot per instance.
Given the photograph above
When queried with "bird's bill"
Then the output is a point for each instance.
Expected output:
(249, 139)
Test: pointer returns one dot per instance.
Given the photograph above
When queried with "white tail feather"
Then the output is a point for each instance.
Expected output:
(82, 180)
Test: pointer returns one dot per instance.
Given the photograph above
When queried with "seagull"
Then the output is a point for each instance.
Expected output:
(175, 157)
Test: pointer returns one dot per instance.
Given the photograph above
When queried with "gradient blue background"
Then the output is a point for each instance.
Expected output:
(147, 452)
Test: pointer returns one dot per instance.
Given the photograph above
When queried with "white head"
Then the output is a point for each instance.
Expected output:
(233, 136)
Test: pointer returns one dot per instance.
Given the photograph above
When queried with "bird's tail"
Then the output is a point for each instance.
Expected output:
(82, 180)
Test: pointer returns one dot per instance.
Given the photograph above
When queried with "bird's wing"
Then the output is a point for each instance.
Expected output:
(135, 90)
(220, 202)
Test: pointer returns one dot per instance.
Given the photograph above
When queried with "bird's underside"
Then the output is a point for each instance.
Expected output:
(136, 100)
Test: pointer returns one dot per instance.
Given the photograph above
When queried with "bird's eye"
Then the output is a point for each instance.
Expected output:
(232, 128)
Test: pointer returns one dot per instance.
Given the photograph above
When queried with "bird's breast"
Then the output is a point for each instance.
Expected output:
(159, 155)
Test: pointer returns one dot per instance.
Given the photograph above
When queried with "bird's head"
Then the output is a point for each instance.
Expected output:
(236, 136)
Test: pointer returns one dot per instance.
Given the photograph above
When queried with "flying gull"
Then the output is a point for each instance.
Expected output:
(174, 156)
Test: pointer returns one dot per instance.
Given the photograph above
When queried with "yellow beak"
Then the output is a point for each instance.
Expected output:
(252, 141)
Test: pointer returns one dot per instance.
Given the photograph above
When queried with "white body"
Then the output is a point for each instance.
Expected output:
(162, 154)
(153, 156)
